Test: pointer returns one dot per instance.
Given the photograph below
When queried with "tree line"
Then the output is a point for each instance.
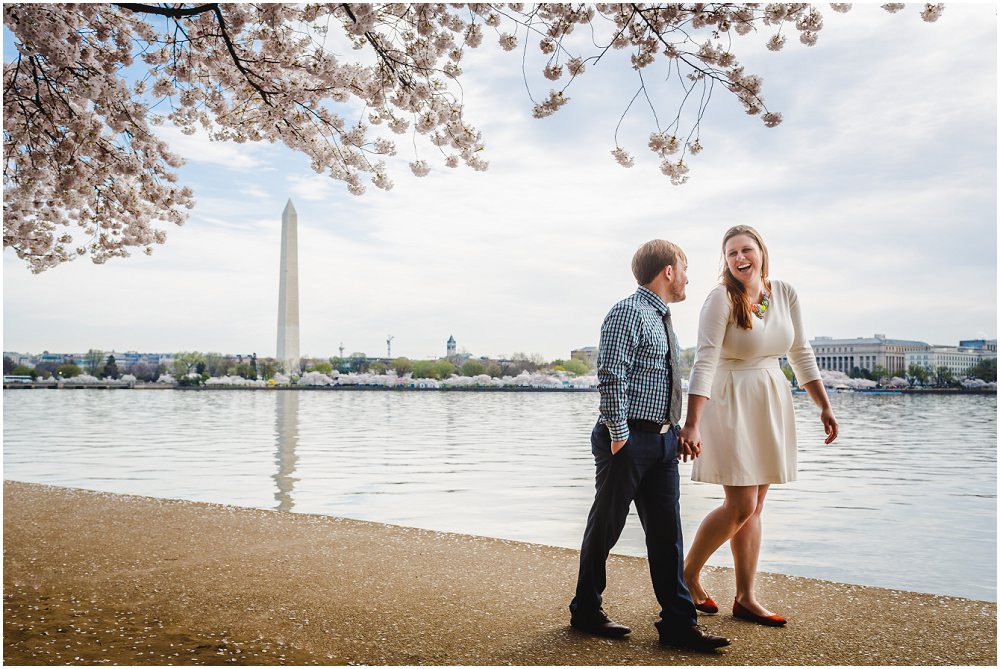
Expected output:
(207, 365)
(198, 366)
(985, 370)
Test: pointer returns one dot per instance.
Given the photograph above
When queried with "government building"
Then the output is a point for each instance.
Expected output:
(896, 355)
(843, 355)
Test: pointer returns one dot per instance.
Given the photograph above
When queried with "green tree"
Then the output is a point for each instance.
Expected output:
(917, 374)
(985, 369)
(68, 371)
(93, 360)
(24, 370)
(788, 372)
(878, 373)
(472, 368)
(443, 369)
(267, 368)
(423, 369)
(322, 368)
(378, 367)
(577, 367)
(244, 370)
(493, 369)
(359, 362)
(943, 376)
(186, 362)
(403, 366)
(216, 364)
(8, 365)
(111, 369)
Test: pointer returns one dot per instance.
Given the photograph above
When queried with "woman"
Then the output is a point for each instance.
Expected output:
(740, 406)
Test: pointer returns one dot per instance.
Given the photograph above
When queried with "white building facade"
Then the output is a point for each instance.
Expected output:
(956, 358)
(843, 355)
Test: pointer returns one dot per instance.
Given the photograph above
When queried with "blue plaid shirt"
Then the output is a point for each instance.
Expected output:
(632, 363)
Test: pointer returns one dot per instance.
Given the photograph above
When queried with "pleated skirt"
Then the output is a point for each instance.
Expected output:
(748, 429)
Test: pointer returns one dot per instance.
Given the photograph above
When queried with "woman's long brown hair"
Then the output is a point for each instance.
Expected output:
(737, 293)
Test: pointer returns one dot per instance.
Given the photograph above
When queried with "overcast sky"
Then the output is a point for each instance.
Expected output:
(876, 196)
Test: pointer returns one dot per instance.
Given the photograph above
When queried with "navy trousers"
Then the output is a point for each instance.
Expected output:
(643, 471)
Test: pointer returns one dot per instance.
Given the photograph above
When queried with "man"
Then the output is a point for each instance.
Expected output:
(636, 450)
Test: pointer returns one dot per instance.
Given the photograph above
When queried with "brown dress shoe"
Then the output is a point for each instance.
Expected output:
(598, 623)
(692, 638)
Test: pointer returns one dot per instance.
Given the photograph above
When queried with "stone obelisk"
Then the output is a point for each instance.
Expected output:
(288, 292)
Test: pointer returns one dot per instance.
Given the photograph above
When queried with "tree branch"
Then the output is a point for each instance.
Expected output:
(172, 12)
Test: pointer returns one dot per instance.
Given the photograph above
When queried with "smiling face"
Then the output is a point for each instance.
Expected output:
(744, 259)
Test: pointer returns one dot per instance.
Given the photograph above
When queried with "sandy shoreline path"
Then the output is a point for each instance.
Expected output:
(100, 578)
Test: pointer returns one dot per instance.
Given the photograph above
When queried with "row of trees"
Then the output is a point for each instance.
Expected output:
(443, 368)
(985, 370)
(208, 365)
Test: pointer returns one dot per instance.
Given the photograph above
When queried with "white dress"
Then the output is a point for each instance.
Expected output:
(748, 426)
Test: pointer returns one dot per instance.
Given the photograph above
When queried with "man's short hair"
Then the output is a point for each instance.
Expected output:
(652, 257)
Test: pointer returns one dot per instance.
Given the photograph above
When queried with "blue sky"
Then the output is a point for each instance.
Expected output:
(876, 196)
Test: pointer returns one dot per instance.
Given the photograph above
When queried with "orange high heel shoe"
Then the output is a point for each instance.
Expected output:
(707, 606)
(741, 612)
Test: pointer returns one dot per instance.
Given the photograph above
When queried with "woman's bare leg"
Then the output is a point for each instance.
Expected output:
(745, 545)
(718, 527)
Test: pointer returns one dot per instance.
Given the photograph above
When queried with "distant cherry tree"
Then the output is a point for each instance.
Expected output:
(85, 173)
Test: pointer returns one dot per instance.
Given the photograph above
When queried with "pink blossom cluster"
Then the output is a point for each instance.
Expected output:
(84, 174)
(693, 39)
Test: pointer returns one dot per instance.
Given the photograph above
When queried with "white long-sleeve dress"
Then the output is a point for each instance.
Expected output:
(748, 426)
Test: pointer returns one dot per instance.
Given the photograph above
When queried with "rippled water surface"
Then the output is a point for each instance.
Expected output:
(906, 498)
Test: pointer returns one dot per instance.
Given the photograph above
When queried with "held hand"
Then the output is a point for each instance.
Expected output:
(686, 450)
(689, 443)
(617, 446)
(829, 425)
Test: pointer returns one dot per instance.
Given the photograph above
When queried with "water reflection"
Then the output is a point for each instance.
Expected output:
(889, 503)
(286, 431)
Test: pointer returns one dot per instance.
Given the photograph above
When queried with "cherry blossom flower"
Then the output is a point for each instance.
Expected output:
(932, 13)
(420, 168)
(86, 175)
(623, 157)
(552, 104)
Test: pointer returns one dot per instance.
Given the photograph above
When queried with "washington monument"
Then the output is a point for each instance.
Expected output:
(288, 292)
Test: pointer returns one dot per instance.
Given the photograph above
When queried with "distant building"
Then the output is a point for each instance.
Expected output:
(843, 355)
(956, 358)
(984, 344)
(587, 354)
(451, 347)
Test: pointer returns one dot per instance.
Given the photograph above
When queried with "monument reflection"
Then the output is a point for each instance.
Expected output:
(286, 429)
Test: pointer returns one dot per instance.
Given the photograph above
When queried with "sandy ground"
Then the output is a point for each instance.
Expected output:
(93, 578)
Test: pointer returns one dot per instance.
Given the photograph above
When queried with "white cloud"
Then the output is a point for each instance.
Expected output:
(198, 148)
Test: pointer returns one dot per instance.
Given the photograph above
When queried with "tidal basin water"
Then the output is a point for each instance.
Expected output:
(906, 498)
